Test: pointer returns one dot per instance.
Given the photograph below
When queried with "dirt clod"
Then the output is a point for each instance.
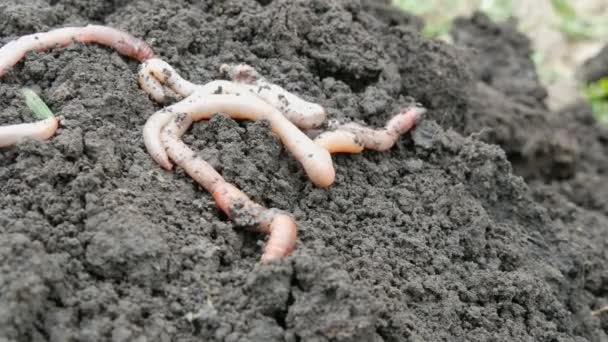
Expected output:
(487, 222)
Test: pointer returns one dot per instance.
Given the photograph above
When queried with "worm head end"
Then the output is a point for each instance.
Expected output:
(419, 113)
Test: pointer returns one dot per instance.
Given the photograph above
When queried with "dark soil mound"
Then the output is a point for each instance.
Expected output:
(435, 240)
(563, 156)
(595, 68)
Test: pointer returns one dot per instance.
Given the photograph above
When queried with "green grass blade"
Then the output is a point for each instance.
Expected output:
(597, 96)
(36, 105)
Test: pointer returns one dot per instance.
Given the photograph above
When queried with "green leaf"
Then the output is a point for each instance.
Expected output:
(577, 29)
(436, 30)
(563, 9)
(36, 105)
(596, 94)
(497, 10)
(414, 6)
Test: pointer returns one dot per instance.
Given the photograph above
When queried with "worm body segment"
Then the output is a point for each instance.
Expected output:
(39, 130)
(122, 42)
(353, 137)
(155, 74)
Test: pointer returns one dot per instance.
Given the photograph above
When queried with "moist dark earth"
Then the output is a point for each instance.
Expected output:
(487, 222)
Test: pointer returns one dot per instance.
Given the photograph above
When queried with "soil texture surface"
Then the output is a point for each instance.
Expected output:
(487, 222)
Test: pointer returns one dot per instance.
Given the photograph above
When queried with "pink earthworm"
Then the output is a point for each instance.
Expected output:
(39, 130)
(354, 137)
(303, 114)
(232, 201)
(316, 160)
(122, 42)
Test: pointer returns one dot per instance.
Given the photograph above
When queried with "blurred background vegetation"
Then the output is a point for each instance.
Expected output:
(564, 33)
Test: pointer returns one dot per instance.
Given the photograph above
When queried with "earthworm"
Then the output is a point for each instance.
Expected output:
(353, 137)
(39, 130)
(316, 160)
(122, 42)
(232, 201)
(303, 114)
(155, 123)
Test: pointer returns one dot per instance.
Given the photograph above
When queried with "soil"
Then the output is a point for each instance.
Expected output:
(487, 223)
(595, 68)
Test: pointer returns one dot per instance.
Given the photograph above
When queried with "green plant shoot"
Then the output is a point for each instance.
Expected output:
(36, 105)
(597, 96)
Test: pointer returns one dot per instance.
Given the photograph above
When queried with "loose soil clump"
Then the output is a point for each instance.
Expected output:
(487, 222)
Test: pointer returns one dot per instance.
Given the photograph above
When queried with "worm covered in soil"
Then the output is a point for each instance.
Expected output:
(232, 201)
(122, 42)
(302, 113)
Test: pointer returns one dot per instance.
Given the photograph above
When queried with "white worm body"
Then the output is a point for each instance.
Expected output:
(124, 43)
(302, 113)
(39, 130)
